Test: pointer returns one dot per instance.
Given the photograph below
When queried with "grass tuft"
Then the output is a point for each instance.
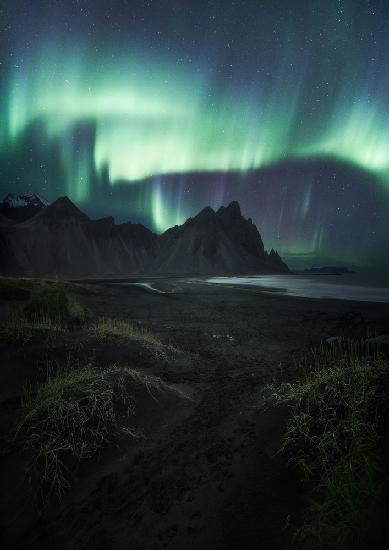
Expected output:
(50, 309)
(15, 329)
(337, 410)
(56, 306)
(77, 411)
(18, 329)
(121, 329)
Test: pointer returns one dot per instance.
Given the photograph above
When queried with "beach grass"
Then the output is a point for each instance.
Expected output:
(338, 409)
(106, 328)
(77, 411)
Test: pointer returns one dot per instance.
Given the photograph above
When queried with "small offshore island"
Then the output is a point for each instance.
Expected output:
(325, 270)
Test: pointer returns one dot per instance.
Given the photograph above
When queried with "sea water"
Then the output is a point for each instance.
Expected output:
(336, 287)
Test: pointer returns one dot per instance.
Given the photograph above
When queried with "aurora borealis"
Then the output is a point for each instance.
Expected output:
(119, 105)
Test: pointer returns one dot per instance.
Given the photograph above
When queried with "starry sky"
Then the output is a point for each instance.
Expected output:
(151, 110)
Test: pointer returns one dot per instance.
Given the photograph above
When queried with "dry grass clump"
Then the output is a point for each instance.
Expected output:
(108, 328)
(15, 329)
(55, 305)
(18, 329)
(77, 411)
(332, 435)
(50, 309)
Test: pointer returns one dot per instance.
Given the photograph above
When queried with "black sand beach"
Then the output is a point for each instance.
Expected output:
(208, 474)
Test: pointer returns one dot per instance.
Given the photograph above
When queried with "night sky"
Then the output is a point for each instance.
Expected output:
(151, 110)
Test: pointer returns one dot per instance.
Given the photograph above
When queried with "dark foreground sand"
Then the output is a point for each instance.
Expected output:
(208, 476)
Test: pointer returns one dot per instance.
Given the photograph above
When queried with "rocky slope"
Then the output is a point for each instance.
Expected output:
(62, 240)
(222, 242)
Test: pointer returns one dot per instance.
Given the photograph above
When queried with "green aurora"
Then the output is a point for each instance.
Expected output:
(151, 120)
(119, 106)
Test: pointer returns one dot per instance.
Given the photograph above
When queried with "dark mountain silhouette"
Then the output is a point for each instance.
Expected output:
(221, 241)
(61, 240)
(319, 205)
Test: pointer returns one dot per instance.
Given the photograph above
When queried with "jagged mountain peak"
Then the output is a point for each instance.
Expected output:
(276, 260)
(216, 242)
(210, 243)
(63, 208)
(205, 213)
(233, 210)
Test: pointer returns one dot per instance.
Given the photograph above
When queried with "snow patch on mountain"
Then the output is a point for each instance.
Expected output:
(12, 200)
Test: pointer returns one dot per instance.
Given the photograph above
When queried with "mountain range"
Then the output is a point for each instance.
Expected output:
(37, 238)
